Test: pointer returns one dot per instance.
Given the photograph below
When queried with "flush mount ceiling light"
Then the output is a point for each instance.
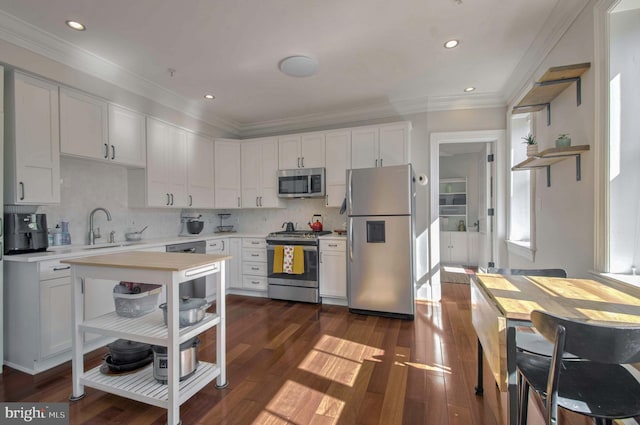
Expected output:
(75, 25)
(209, 96)
(298, 66)
(451, 44)
(469, 89)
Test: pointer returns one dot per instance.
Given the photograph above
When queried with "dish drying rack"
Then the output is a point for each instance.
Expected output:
(224, 228)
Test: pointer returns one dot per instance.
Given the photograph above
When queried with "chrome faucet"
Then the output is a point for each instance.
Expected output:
(93, 236)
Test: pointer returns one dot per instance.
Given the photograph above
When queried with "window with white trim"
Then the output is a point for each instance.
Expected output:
(520, 192)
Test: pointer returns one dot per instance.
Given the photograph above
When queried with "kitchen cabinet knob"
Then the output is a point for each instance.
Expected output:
(255, 282)
(303, 162)
(106, 151)
(21, 191)
(261, 201)
(335, 245)
(113, 152)
(381, 162)
(168, 199)
(255, 268)
(190, 200)
(376, 163)
(223, 245)
(298, 162)
(172, 199)
(257, 204)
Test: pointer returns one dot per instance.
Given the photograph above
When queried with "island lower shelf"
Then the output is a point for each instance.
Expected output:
(149, 328)
(142, 386)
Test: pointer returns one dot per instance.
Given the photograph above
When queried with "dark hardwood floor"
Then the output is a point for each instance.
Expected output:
(304, 364)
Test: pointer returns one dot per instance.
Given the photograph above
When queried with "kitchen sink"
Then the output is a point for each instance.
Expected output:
(110, 245)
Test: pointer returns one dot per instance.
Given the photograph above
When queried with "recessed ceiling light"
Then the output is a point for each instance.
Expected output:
(299, 66)
(451, 44)
(209, 96)
(75, 25)
(469, 89)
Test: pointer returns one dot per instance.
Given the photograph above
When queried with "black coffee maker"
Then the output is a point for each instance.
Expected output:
(25, 233)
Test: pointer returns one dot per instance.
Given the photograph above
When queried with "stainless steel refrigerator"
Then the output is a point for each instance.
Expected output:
(380, 233)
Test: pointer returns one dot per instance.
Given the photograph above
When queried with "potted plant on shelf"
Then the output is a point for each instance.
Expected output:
(532, 145)
(563, 141)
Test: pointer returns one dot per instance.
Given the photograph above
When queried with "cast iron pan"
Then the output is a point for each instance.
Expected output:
(108, 367)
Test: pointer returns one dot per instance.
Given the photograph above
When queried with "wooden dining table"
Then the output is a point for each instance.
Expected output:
(500, 304)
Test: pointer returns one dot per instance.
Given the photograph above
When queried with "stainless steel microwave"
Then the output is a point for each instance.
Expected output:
(301, 183)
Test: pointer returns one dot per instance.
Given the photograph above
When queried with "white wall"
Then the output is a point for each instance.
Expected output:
(565, 211)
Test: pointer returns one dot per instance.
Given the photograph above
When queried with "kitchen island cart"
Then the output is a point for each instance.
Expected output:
(162, 268)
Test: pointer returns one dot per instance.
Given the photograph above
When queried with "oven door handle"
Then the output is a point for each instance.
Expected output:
(304, 247)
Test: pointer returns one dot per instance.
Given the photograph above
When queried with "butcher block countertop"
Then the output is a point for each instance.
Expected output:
(163, 261)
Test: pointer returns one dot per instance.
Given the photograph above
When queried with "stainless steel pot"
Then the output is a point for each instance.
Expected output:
(192, 310)
(188, 360)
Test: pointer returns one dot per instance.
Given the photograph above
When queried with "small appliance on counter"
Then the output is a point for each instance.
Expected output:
(25, 233)
(191, 225)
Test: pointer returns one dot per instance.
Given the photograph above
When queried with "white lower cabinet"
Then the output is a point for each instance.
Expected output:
(454, 248)
(234, 266)
(55, 319)
(218, 246)
(333, 270)
(254, 264)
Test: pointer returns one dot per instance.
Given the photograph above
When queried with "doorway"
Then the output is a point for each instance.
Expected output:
(489, 142)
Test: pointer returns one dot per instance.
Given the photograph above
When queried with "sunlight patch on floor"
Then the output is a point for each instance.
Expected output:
(454, 269)
(338, 359)
(284, 406)
(434, 368)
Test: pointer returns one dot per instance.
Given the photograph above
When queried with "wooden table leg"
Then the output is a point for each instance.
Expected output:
(479, 386)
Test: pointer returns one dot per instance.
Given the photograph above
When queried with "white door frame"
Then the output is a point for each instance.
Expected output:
(498, 137)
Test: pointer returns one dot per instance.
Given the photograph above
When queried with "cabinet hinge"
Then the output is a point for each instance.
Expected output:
(491, 212)
(490, 158)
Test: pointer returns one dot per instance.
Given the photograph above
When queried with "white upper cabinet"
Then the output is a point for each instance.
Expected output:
(394, 144)
(338, 152)
(32, 144)
(166, 165)
(92, 128)
(127, 137)
(301, 151)
(379, 146)
(259, 169)
(227, 173)
(200, 171)
(83, 125)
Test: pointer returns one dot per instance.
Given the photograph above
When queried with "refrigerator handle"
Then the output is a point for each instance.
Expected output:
(349, 192)
(350, 239)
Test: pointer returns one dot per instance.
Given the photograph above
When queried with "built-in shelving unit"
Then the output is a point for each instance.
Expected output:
(548, 157)
(453, 203)
(552, 83)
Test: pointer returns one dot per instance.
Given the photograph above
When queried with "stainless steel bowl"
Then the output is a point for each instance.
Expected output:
(195, 226)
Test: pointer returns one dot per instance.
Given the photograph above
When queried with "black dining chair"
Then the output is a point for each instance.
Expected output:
(600, 385)
(526, 340)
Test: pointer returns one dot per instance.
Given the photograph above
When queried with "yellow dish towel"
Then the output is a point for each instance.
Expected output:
(278, 257)
(298, 260)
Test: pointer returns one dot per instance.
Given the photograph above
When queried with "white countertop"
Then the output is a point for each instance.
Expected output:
(74, 251)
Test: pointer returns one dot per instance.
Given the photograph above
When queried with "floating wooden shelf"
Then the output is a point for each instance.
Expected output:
(552, 83)
(548, 157)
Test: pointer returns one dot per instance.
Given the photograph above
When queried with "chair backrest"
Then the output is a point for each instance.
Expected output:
(599, 342)
(529, 272)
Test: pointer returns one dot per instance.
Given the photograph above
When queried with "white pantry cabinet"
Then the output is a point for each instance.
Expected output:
(127, 137)
(227, 173)
(32, 148)
(380, 146)
(338, 155)
(301, 151)
(454, 248)
(83, 125)
(200, 171)
(333, 269)
(164, 182)
(259, 167)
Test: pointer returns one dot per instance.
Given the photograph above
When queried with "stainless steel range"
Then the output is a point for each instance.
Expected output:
(295, 287)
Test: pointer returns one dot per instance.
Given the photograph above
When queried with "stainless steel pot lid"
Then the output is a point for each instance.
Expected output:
(187, 303)
(193, 342)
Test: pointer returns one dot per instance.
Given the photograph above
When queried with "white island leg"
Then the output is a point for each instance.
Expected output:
(77, 362)
(173, 353)
(221, 329)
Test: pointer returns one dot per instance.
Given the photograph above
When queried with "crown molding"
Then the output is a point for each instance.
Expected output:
(381, 110)
(561, 18)
(32, 38)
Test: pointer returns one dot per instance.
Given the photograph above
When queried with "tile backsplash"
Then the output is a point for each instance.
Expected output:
(86, 185)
